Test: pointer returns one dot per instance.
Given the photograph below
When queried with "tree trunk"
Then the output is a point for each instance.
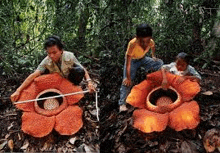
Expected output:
(83, 20)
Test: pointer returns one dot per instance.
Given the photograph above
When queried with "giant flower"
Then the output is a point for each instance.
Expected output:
(158, 108)
(42, 116)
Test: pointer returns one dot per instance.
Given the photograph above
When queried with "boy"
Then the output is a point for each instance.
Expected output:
(136, 57)
(182, 68)
(60, 61)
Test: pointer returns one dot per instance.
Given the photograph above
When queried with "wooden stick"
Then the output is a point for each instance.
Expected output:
(69, 94)
(96, 104)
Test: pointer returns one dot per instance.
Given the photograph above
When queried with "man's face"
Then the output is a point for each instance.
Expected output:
(54, 53)
(144, 42)
(181, 65)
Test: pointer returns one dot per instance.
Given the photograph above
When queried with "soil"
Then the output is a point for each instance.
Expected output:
(114, 131)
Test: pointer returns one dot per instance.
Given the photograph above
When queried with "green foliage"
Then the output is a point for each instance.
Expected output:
(99, 28)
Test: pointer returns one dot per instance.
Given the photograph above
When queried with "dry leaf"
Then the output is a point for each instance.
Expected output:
(3, 144)
(10, 126)
(211, 140)
(187, 147)
(25, 145)
(19, 136)
(73, 140)
(7, 136)
(47, 146)
(11, 144)
(208, 93)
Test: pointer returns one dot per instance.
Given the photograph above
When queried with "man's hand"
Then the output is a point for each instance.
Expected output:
(15, 96)
(127, 82)
(154, 58)
(91, 87)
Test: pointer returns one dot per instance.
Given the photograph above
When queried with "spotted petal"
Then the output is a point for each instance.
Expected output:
(67, 87)
(28, 94)
(148, 122)
(185, 117)
(48, 81)
(37, 125)
(69, 121)
(188, 89)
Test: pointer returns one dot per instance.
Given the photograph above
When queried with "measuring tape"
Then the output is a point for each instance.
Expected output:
(63, 95)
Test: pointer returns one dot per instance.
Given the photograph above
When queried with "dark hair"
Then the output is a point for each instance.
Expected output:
(143, 30)
(53, 40)
(184, 56)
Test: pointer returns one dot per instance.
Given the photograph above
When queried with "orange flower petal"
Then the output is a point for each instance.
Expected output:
(69, 121)
(148, 122)
(47, 81)
(28, 94)
(187, 89)
(37, 125)
(138, 94)
(67, 87)
(157, 77)
(185, 117)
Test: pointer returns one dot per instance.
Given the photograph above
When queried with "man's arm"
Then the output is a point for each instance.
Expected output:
(27, 81)
(127, 80)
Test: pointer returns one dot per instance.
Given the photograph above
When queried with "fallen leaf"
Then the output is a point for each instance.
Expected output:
(121, 149)
(7, 136)
(3, 144)
(208, 93)
(11, 144)
(93, 112)
(19, 136)
(186, 147)
(73, 140)
(10, 126)
(47, 146)
(25, 145)
(211, 140)
(80, 148)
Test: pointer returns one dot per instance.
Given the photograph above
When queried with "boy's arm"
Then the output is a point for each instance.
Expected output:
(127, 80)
(194, 75)
(153, 51)
(28, 80)
(192, 78)
(164, 81)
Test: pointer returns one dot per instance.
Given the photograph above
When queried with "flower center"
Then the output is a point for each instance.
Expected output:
(49, 104)
(163, 101)
(162, 97)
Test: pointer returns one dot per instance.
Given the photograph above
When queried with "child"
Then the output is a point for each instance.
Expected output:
(60, 61)
(182, 68)
(136, 57)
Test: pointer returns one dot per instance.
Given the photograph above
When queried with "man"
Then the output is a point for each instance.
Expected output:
(59, 61)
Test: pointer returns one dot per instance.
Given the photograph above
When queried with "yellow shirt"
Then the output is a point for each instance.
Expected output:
(136, 51)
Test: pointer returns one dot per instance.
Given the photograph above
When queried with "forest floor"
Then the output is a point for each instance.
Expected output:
(114, 132)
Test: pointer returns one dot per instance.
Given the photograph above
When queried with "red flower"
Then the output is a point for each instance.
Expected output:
(40, 118)
(159, 108)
